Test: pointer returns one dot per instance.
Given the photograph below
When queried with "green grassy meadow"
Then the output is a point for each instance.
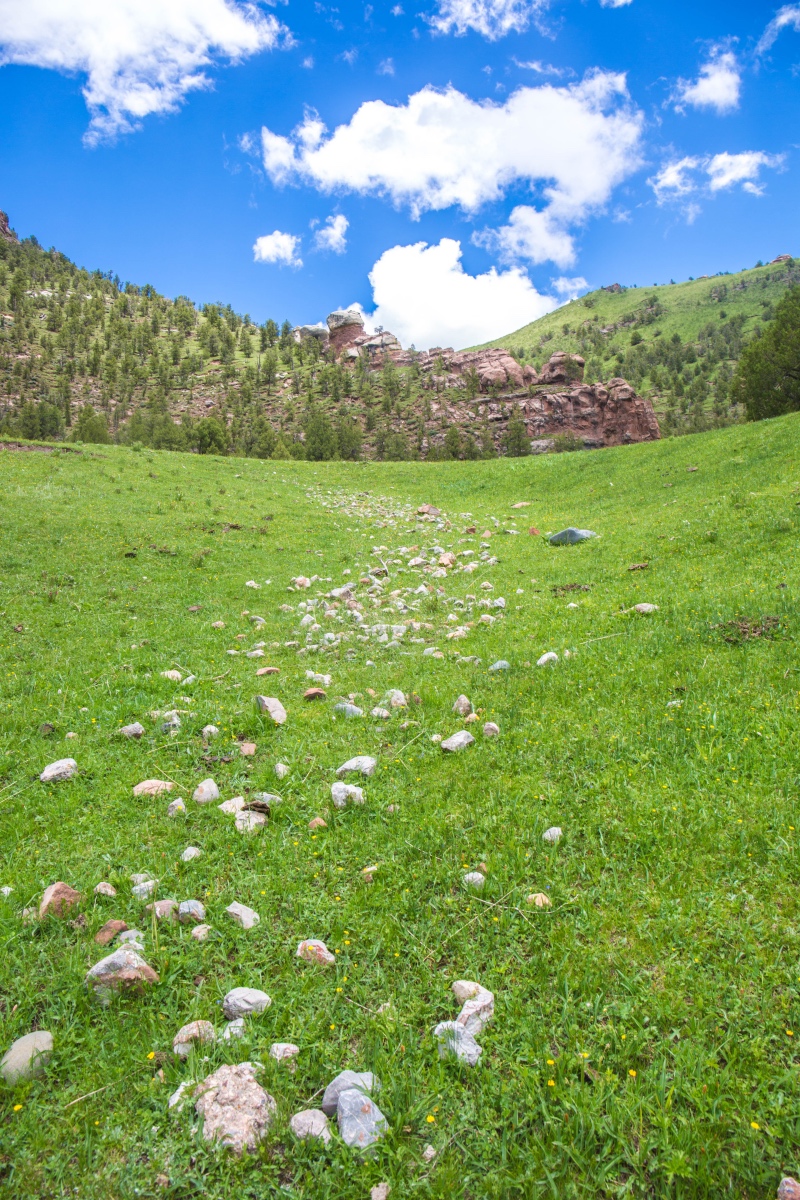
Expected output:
(645, 1035)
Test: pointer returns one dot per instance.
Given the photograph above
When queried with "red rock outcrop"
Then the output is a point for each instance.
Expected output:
(344, 326)
(598, 414)
(6, 233)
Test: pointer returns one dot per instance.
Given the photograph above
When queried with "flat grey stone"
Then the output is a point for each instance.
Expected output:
(455, 1041)
(364, 1081)
(458, 741)
(500, 665)
(27, 1057)
(191, 912)
(243, 1002)
(348, 710)
(362, 763)
(570, 536)
(63, 768)
(361, 1122)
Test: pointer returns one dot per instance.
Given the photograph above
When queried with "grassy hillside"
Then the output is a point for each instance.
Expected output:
(644, 1039)
(677, 343)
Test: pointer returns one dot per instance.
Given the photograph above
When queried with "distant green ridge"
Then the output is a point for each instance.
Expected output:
(678, 342)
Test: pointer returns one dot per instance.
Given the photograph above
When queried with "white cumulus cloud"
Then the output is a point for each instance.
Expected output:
(692, 175)
(787, 17)
(493, 18)
(425, 297)
(571, 145)
(717, 86)
(283, 249)
(139, 56)
(530, 234)
(332, 235)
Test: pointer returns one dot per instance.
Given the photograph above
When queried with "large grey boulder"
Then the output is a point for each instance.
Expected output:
(570, 536)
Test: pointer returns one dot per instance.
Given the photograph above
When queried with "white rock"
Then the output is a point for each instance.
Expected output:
(646, 608)
(105, 889)
(234, 805)
(429, 1153)
(362, 763)
(549, 657)
(474, 881)
(210, 731)
(131, 937)
(249, 822)
(191, 912)
(6, 890)
(190, 853)
(283, 1051)
(27, 1057)
(491, 730)
(342, 792)
(363, 1081)
(273, 708)
(243, 915)
(195, 1031)
(462, 706)
(281, 770)
(63, 768)
(348, 710)
(477, 1006)
(152, 787)
(175, 808)
(172, 676)
(179, 1097)
(201, 932)
(234, 1029)
(312, 950)
(454, 1040)
(458, 741)
(382, 714)
(552, 835)
(235, 1108)
(206, 792)
(144, 890)
(243, 1002)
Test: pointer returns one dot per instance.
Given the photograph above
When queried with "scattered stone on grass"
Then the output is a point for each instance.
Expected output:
(474, 881)
(552, 835)
(164, 910)
(243, 1002)
(249, 822)
(540, 899)
(234, 1029)
(429, 1153)
(646, 608)
(273, 708)
(247, 749)
(312, 950)
(191, 912)
(549, 657)
(315, 693)
(380, 1191)
(382, 714)
(63, 768)
(342, 792)
(124, 970)
(284, 1052)
(281, 770)
(206, 792)
(363, 1081)
(190, 853)
(131, 937)
(209, 731)
(243, 915)
(105, 889)
(348, 710)
(58, 899)
(462, 706)
(27, 1057)
(571, 536)
(109, 931)
(175, 808)
(788, 1189)
(201, 932)
(173, 676)
(145, 889)
(195, 1031)
(232, 806)
(454, 1040)
(317, 823)
(152, 787)
(490, 729)
(500, 665)
(132, 731)
(310, 1123)
(458, 741)
(268, 671)
(362, 763)
(477, 1005)
(236, 1110)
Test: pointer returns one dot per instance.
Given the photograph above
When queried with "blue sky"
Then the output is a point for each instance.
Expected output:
(455, 167)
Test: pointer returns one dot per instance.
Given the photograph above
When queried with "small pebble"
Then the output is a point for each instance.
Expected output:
(244, 1002)
(314, 951)
(458, 741)
(317, 823)
(474, 880)
(191, 912)
(281, 770)
(190, 853)
(310, 1123)
(201, 932)
(175, 808)
(244, 916)
(195, 1031)
(105, 889)
(540, 899)
(491, 730)
(500, 665)
(132, 731)
(209, 731)
(549, 657)
(206, 792)
(552, 835)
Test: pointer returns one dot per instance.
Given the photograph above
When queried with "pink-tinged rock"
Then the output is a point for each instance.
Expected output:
(206, 792)
(248, 749)
(273, 708)
(539, 899)
(313, 951)
(284, 1051)
(136, 730)
(109, 931)
(458, 741)
(105, 889)
(58, 899)
(310, 1123)
(124, 970)
(788, 1189)
(462, 706)
(165, 910)
(242, 915)
(64, 768)
(477, 1005)
(236, 1110)
(152, 787)
(195, 1031)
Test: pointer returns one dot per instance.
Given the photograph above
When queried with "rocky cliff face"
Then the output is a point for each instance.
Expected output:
(553, 403)
(6, 234)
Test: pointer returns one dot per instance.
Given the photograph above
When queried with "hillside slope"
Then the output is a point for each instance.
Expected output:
(646, 1018)
(677, 343)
